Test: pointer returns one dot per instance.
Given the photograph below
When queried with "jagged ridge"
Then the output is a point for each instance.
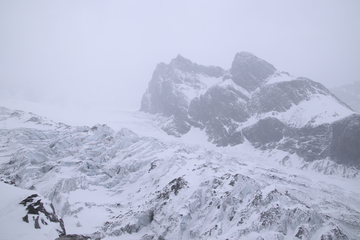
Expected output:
(232, 107)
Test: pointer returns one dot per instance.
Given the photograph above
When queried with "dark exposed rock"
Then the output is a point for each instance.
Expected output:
(35, 206)
(177, 127)
(219, 101)
(265, 131)
(172, 187)
(345, 141)
(152, 166)
(165, 96)
(222, 132)
(216, 111)
(26, 218)
(339, 141)
(37, 225)
(249, 71)
(73, 237)
(310, 143)
(29, 199)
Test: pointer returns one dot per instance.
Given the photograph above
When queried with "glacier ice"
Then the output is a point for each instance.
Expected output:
(109, 184)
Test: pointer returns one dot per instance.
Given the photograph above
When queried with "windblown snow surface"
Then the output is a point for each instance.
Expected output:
(116, 175)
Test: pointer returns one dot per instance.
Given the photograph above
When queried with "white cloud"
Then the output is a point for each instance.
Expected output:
(92, 52)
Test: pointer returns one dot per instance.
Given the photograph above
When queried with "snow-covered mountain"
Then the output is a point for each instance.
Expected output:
(254, 102)
(350, 94)
(116, 184)
(287, 168)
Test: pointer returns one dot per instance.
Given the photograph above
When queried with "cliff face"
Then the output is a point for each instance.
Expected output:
(249, 71)
(172, 88)
(254, 102)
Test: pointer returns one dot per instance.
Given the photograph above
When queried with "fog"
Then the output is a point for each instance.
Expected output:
(101, 54)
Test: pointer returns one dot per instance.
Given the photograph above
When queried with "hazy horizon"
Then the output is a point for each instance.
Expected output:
(90, 53)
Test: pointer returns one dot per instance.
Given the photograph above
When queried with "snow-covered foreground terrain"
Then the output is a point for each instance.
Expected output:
(116, 175)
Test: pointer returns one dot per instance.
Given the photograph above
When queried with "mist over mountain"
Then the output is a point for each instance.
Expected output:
(245, 153)
(254, 102)
(350, 94)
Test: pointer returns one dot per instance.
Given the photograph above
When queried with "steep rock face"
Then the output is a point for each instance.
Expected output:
(253, 101)
(219, 101)
(345, 141)
(310, 143)
(338, 141)
(265, 131)
(215, 111)
(250, 71)
(171, 89)
(281, 96)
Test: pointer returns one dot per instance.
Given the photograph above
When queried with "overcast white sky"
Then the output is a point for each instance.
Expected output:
(103, 53)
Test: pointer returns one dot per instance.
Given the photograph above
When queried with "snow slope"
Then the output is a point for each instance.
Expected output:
(12, 212)
(319, 110)
(139, 183)
(279, 77)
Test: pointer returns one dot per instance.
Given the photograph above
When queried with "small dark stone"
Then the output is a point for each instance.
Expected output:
(37, 225)
(26, 218)
(43, 222)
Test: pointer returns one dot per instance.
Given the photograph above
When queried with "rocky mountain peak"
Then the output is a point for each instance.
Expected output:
(244, 56)
(249, 71)
(254, 102)
(181, 62)
(185, 65)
